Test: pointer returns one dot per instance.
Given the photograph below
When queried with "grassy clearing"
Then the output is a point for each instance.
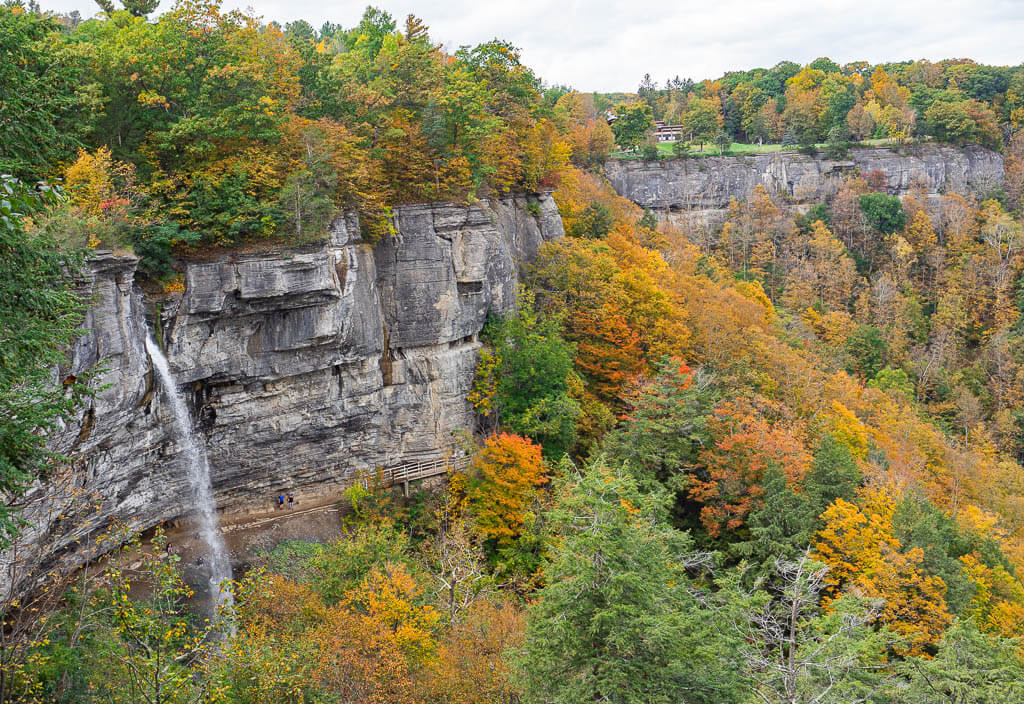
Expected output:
(738, 149)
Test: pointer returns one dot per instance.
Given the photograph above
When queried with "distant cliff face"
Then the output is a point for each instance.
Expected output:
(709, 183)
(301, 367)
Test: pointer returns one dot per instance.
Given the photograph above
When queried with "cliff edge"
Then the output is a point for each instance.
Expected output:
(302, 368)
(709, 183)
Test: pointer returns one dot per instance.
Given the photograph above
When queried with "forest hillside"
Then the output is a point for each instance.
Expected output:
(777, 460)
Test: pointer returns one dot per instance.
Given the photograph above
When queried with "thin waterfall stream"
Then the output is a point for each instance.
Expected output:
(218, 562)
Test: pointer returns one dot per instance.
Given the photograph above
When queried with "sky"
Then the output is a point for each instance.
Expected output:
(609, 45)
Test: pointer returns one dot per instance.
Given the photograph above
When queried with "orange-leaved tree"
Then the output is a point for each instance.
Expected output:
(472, 666)
(608, 351)
(356, 660)
(998, 602)
(746, 444)
(505, 474)
(374, 647)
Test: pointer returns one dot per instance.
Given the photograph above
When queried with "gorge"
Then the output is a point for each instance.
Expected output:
(343, 361)
(307, 366)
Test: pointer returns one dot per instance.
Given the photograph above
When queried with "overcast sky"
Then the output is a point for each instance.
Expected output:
(609, 45)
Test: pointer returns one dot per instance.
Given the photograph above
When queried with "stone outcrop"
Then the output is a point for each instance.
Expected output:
(302, 368)
(709, 183)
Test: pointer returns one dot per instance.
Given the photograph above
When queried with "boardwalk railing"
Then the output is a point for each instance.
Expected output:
(396, 475)
(412, 471)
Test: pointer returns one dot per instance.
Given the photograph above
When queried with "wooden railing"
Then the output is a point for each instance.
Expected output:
(411, 471)
(398, 475)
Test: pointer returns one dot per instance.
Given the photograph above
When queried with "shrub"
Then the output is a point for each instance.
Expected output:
(595, 222)
(153, 246)
(867, 351)
(883, 212)
(837, 146)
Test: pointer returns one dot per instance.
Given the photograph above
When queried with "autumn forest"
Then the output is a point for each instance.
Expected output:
(777, 458)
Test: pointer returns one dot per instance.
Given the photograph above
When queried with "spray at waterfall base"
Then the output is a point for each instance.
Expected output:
(217, 560)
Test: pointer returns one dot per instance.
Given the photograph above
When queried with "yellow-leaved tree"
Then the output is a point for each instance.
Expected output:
(865, 558)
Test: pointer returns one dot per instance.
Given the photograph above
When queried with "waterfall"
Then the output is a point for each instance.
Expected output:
(217, 560)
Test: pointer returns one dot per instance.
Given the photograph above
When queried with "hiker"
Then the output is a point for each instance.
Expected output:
(291, 501)
(280, 501)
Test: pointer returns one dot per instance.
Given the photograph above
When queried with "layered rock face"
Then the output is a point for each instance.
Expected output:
(301, 368)
(709, 183)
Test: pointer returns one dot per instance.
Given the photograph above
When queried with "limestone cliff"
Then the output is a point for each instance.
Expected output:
(303, 367)
(709, 183)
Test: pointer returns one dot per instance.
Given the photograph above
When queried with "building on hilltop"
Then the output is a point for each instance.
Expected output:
(669, 133)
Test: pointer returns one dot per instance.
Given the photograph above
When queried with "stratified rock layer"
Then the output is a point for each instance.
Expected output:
(302, 368)
(709, 183)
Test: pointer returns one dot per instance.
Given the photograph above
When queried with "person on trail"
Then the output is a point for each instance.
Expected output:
(280, 501)
(291, 501)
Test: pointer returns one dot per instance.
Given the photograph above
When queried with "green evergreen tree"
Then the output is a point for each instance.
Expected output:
(782, 528)
(834, 475)
(919, 524)
(647, 90)
(648, 220)
(970, 667)
(137, 8)
(617, 621)
(837, 146)
(140, 8)
(307, 196)
(39, 317)
(594, 222)
(43, 100)
(660, 439)
(785, 525)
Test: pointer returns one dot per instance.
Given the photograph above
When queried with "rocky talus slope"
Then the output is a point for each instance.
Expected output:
(302, 368)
